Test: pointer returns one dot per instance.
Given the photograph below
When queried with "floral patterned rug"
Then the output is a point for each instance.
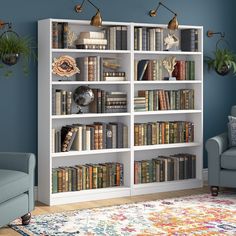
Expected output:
(192, 215)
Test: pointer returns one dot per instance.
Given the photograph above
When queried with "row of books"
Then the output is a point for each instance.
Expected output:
(88, 176)
(154, 100)
(189, 40)
(62, 102)
(154, 70)
(184, 70)
(163, 132)
(96, 68)
(151, 39)
(60, 35)
(110, 38)
(165, 168)
(116, 37)
(148, 39)
(108, 102)
(80, 137)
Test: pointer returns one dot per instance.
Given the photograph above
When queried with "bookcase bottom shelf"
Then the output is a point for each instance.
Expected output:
(167, 186)
(88, 195)
(117, 192)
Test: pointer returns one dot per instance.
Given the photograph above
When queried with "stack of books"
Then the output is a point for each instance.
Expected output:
(163, 132)
(108, 102)
(91, 40)
(99, 135)
(139, 104)
(165, 168)
(88, 176)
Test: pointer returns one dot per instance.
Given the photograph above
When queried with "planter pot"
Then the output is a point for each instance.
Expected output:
(224, 70)
(10, 59)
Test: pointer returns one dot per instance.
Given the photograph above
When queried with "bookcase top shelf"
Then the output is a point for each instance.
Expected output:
(168, 82)
(136, 52)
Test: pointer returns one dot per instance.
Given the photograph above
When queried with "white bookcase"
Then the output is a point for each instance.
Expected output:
(46, 121)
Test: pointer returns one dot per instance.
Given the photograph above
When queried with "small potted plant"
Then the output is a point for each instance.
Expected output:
(13, 48)
(223, 61)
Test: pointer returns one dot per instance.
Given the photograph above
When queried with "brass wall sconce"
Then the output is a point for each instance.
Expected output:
(173, 24)
(211, 34)
(96, 20)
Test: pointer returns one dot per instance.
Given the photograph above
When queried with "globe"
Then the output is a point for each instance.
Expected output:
(83, 96)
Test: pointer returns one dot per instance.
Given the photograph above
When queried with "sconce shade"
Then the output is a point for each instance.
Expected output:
(96, 20)
(173, 24)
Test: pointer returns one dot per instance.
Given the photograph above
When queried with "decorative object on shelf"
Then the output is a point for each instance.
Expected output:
(12, 47)
(171, 41)
(65, 66)
(173, 24)
(96, 20)
(71, 38)
(224, 60)
(169, 64)
(83, 96)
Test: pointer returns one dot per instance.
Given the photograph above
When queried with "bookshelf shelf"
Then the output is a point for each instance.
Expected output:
(167, 112)
(90, 152)
(167, 53)
(73, 50)
(166, 146)
(50, 161)
(89, 82)
(168, 82)
(89, 115)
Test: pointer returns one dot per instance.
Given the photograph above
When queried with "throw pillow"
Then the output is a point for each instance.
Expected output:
(232, 131)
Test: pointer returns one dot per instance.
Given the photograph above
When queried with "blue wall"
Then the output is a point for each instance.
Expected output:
(18, 103)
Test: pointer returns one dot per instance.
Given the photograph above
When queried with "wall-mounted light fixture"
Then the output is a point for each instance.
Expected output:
(173, 24)
(96, 20)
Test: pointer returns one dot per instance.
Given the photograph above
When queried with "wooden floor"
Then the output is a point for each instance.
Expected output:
(42, 209)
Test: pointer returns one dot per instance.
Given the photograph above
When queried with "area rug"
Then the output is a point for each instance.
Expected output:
(192, 215)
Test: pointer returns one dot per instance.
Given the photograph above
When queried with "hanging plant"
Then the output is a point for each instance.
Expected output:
(224, 59)
(14, 48)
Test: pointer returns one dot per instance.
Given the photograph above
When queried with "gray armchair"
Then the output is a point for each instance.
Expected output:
(221, 161)
(16, 186)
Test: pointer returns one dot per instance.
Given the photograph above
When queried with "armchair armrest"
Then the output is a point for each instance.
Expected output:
(24, 162)
(215, 147)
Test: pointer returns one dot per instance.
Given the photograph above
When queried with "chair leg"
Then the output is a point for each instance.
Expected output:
(214, 191)
(26, 219)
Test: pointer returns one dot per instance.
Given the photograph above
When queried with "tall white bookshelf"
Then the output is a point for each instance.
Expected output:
(47, 160)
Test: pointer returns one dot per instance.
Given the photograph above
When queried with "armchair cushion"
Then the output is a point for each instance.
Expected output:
(228, 159)
(12, 184)
(232, 131)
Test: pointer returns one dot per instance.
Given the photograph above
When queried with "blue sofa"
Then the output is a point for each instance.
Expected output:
(16, 186)
(221, 161)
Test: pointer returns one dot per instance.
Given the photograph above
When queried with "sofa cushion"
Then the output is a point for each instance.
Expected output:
(228, 159)
(12, 184)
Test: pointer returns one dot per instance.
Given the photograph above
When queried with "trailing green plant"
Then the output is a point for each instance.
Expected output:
(223, 59)
(11, 43)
